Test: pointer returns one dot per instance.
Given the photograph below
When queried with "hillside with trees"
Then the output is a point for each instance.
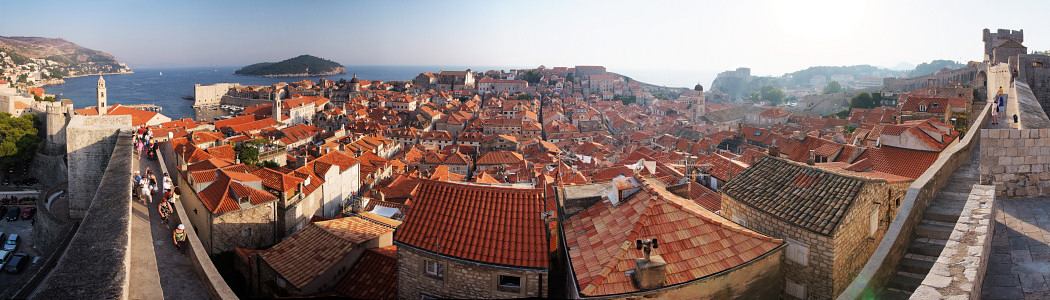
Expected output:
(303, 65)
(62, 58)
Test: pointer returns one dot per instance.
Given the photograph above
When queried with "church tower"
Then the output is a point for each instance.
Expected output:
(355, 85)
(277, 108)
(100, 93)
(699, 104)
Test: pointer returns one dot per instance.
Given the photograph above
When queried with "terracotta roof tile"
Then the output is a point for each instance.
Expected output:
(374, 276)
(695, 242)
(305, 255)
(492, 225)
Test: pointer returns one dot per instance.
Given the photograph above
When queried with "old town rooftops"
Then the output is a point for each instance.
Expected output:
(809, 197)
(694, 242)
(494, 225)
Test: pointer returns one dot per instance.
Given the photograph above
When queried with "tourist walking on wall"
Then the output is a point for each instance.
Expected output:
(179, 236)
(995, 112)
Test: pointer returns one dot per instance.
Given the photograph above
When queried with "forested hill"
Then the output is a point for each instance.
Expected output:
(303, 65)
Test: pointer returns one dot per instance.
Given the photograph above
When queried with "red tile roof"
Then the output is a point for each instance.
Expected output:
(305, 255)
(485, 224)
(695, 242)
(224, 194)
(374, 276)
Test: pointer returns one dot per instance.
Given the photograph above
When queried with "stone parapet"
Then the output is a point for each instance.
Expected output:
(883, 263)
(1016, 161)
(959, 270)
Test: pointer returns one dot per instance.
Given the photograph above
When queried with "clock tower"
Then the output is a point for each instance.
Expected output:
(100, 94)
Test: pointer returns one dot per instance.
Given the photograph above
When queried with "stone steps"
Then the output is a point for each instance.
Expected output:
(895, 294)
(924, 248)
(905, 281)
(919, 266)
(934, 229)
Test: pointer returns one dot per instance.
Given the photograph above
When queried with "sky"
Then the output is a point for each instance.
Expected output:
(667, 42)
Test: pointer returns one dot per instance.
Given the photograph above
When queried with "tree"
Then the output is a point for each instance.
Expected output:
(754, 96)
(862, 100)
(524, 96)
(570, 78)
(18, 137)
(247, 154)
(533, 77)
(269, 164)
(774, 95)
(832, 87)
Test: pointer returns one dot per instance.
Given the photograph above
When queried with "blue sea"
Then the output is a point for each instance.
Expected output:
(166, 86)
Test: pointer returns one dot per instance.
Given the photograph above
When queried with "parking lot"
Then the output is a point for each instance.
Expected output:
(24, 230)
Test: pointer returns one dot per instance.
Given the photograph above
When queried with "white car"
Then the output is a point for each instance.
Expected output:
(12, 242)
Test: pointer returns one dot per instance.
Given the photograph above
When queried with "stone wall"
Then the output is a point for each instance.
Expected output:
(883, 262)
(95, 263)
(230, 100)
(249, 228)
(1016, 161)
(50, 170)
(959, 270)
(89, 143)
(462, 279)
(854, 242)
(816, 275)
(210, 94)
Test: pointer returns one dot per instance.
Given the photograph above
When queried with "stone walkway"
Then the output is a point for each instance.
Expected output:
(158, 270)
(1019, 266)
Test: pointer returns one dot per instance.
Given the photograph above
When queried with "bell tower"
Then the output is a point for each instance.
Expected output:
(699, 104)
(100, 93)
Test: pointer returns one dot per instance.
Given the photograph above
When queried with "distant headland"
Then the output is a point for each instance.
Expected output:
(303, 65)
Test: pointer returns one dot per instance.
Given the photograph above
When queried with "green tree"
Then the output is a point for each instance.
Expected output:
(247, 154)
(269, 164)
(18, 137)
(754, 96)
(832, 87)
(774, 95)
(862, 100)
(533, 77)
(570, 78)
(524, 96)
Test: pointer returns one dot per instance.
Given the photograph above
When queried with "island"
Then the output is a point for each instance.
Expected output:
(303, 65)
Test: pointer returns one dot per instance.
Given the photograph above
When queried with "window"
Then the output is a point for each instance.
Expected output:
(798, 252)
(874, 223)
(737, 219)
(435, 269)
(509, 284)
(922, 107)
(795, 290)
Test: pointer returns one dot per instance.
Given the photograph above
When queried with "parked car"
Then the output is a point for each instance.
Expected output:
(7, 181)
(12, 213)
(28, 212)
(16, 263)
(4, 256)
(12, 242)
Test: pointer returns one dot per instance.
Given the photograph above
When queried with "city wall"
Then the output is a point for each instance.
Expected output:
(883, 263)
(204, 95)
(95, 263)
(90, 141)
(1017, 161)
(231, 100)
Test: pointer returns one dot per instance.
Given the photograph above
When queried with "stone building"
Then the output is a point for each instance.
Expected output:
(314, 259)
(454, 80)
(298, 199)
(831, 220)
(473, 241)
(228, 208)
(698, 254)
(999, 37)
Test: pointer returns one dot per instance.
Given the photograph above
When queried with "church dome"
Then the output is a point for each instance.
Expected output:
(354, 80)
(698, 88)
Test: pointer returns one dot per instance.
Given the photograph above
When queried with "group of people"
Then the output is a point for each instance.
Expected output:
(145, 186)
(144, 142)
(999, 106)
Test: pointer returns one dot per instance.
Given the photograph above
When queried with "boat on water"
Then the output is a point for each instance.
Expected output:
(161, 74)
(189, 97)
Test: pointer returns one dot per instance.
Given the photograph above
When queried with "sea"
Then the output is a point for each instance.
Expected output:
(166, 87)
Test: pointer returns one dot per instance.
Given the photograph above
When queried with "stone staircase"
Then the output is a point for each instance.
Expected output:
(933, 230)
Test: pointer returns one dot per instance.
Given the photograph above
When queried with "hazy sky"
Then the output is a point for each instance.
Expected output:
(693, 38)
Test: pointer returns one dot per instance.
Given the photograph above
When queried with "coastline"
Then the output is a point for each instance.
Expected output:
(63, 81)
(294, 75)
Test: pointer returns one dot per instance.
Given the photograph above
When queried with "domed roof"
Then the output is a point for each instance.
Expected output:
(354, 80)
(698, 88)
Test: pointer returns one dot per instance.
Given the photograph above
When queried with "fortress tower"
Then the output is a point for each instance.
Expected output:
(100, 94)
(56, 116)
(1001, 36)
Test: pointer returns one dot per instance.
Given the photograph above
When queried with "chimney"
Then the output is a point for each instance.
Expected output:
(774, 151)
(650, 270)
(797, 135)
(812, 157)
